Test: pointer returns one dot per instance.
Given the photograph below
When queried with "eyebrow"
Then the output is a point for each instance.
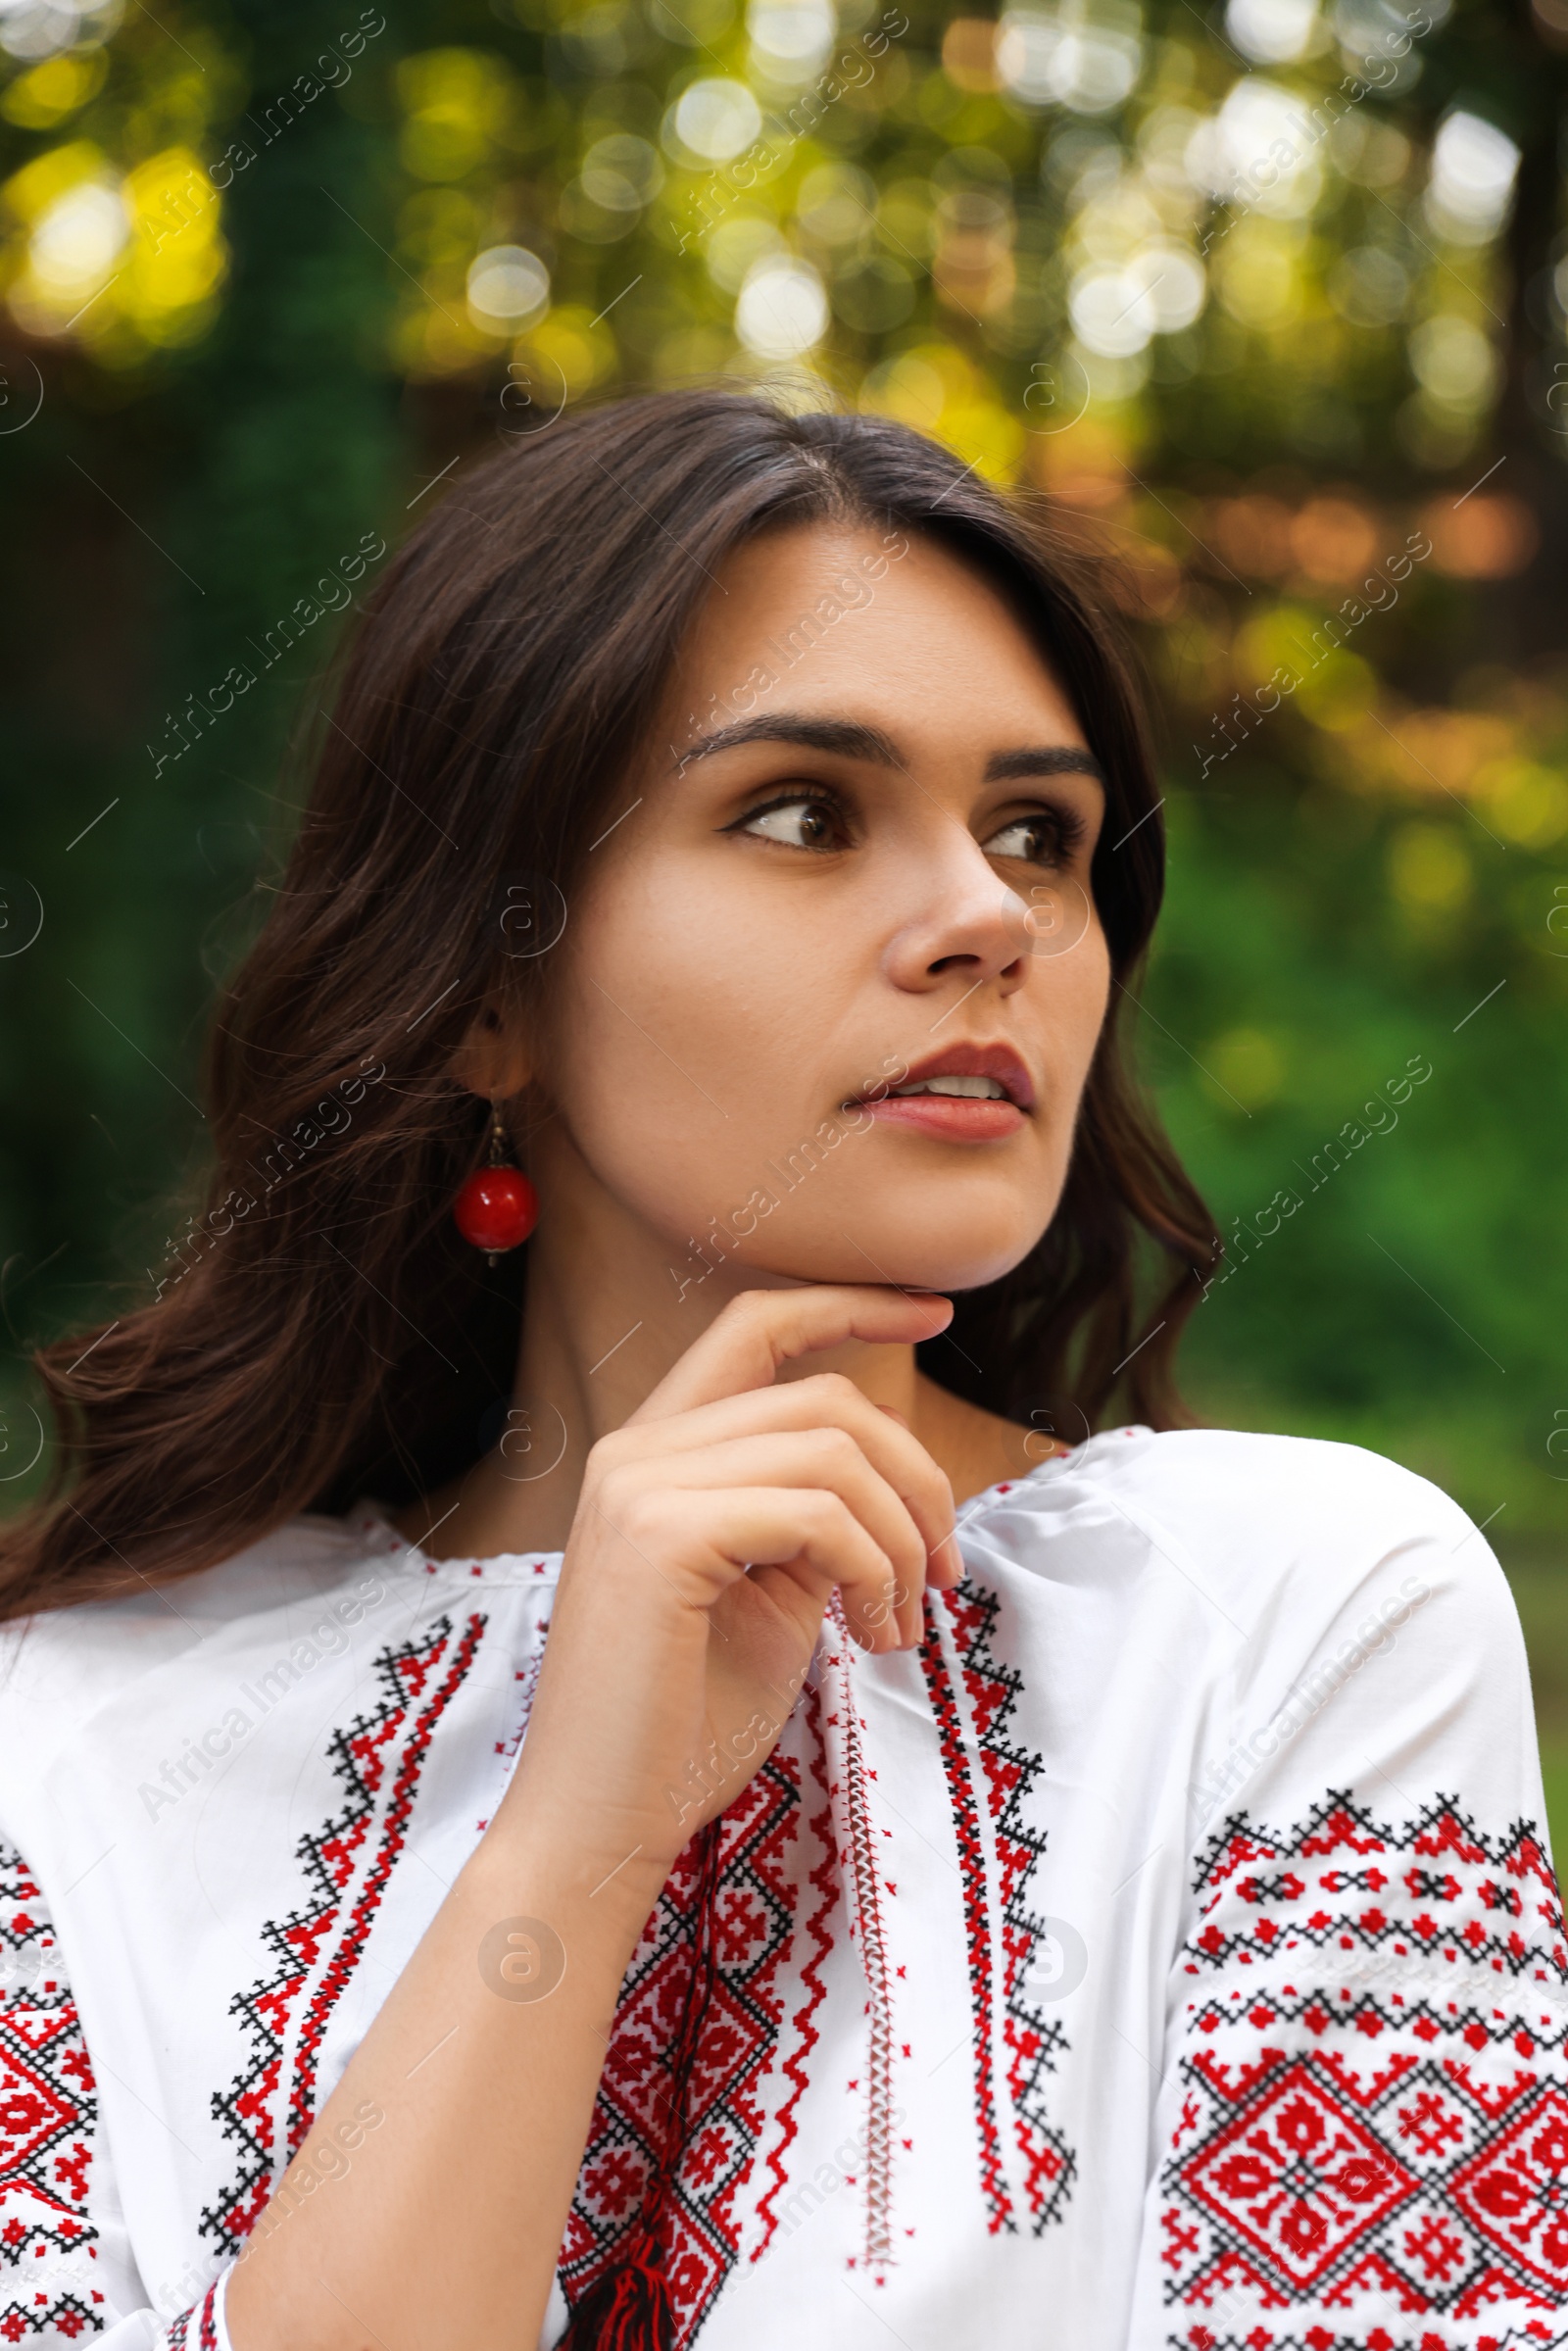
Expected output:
(852, 740)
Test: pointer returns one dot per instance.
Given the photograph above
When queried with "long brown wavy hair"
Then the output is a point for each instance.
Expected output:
(325, 1334)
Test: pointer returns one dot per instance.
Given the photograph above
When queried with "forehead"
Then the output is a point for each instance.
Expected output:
(814, 613)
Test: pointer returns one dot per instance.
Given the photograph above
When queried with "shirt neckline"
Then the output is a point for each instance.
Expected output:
(1053, 1464)
(369, 1515)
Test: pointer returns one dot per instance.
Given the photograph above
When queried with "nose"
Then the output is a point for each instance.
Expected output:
(963, 923)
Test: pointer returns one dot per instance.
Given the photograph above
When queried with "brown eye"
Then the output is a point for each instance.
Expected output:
(1044, 839)
(798, 823)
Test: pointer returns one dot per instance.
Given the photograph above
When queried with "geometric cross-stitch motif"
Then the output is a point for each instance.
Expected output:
(825, 1884)
(1380, 2123)
(194, 2330)
(734, 1936)
(973, 1697)
(48, 2113)
(379, 1758)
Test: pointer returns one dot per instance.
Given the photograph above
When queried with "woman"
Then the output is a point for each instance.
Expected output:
(946, 1875)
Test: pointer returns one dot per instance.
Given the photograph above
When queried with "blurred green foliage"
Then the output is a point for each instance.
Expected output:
(1265, 298)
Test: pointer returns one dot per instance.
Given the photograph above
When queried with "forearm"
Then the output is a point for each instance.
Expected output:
(427, 2205)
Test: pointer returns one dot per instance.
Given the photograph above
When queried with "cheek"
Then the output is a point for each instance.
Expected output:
(1069, 994)
(683, 1052)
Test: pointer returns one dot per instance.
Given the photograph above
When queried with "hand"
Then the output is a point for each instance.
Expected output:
(710, 1536)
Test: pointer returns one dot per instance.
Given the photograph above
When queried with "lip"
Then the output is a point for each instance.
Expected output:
(957, 1118)
(1000, 1061)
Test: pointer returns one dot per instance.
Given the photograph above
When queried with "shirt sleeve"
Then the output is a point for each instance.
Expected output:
(67, 2272)
(1361, 2126)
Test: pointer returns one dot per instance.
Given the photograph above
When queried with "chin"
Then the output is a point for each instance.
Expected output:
(905, 1255)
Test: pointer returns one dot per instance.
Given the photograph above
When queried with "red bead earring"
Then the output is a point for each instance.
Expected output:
(497, 1207)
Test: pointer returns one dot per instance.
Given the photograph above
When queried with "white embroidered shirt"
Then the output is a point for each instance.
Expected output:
(1166, 1958)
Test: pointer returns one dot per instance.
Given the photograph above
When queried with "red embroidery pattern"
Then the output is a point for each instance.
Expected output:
(1386, 2117)
(976, 1919)
(361, 1755)
(177, 2337)
(752, 1926)
(47, 2119)
(824, 1881)
(1535, 2337)
(861, 1859)
(1033, 2040)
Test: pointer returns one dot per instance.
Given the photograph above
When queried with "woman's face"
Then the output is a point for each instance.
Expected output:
(855, 860)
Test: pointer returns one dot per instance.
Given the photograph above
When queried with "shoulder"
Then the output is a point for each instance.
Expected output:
(1266, 1526)
(1264, 1575)
(61, 1669)
(1216, 1486)
(1220, 1486)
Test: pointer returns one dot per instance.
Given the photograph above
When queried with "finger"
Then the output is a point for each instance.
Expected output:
(811, 1536)
(816, 1460)
(944, 1563)
(824, 1400)
(838, 1548)
(760, 1330)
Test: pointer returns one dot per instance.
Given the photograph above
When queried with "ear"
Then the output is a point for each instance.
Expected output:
(493, 1058)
